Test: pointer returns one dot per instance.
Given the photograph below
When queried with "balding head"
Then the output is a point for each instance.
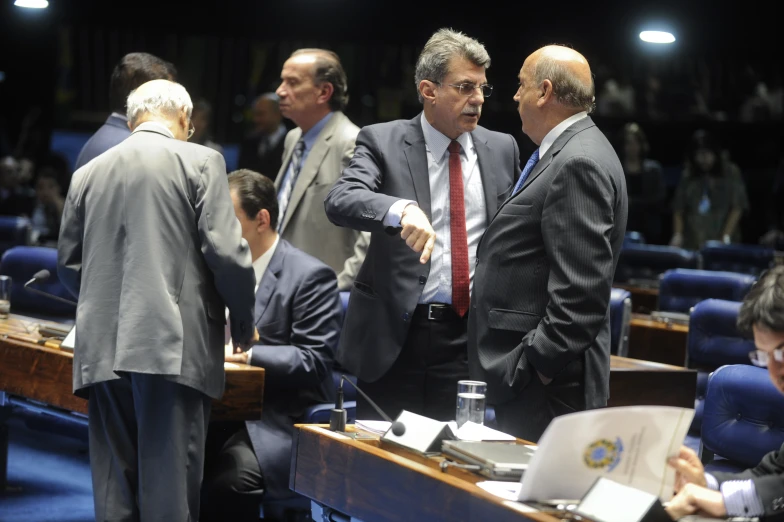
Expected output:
(555, 83)
(164, 102)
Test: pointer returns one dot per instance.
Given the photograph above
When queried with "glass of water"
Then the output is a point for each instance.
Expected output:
(470, 402)
(5, 296)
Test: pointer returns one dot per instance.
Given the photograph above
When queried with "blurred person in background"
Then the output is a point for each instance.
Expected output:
(48, 208)
(202, 120)
(16, 198)
(262, 150)
(644, 183)
(710, 198)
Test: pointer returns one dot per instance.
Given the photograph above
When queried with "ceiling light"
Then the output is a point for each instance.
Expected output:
(32, 4)
(657, 37)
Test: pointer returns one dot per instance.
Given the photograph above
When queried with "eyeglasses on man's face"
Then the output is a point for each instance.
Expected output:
(191, 130)
(468, 89)
(761, 358)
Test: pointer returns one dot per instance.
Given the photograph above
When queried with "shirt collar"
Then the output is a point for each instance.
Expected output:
(310, 137)
(437, 142)
(551, 136)
(121, 116)
(260, 265)
(154, 126)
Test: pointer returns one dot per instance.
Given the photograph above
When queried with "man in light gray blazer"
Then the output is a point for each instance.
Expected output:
(539, 327)
(150, 245)
(313, 93)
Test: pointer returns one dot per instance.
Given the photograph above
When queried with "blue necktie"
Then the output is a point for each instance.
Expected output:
(532, 161)
(284, 196)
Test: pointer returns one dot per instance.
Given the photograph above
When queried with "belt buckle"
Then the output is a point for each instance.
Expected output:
(430, 313)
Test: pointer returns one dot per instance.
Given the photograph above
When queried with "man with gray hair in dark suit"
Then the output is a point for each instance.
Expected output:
(539, 327)
(150, 245)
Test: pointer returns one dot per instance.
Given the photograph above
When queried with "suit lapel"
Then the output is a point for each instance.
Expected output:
(269, 280)
(486, 171)
(416, 155)
(311, 167)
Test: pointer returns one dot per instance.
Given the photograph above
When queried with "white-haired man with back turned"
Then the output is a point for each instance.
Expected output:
(150, 245)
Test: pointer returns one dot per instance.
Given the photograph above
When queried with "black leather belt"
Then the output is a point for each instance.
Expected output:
(436, 312)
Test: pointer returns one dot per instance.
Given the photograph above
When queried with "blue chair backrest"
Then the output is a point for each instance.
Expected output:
(69, 144)
(647, 262)
(620, 315)
(714, 341)
(14, 231)
(21, 263)
(633, 238)
(681, 289)
(742, 419)
(231, 154)
(746, 259)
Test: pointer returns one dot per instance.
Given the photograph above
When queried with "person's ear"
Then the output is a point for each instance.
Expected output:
(262, 219)
(545, 93)
(428, 90)
(326, 90)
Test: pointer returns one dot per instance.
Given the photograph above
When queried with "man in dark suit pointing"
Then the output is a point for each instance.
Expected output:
(425, 188)
(539, 329)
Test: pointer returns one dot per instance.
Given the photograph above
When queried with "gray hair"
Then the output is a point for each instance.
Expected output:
(567, 88)
(433, 61)
(166, 101)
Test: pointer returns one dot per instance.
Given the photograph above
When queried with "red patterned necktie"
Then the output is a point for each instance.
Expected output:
(457, 222)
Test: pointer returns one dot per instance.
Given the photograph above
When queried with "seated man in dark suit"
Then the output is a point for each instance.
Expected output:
(298, 316)
(756, 492)
(133, 70)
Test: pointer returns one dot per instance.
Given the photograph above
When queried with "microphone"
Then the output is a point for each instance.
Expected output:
(337, 419)
(40, 277)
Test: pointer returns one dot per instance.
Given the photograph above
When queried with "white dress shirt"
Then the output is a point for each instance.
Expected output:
(438, 288)
(551, 136)
(259, 267)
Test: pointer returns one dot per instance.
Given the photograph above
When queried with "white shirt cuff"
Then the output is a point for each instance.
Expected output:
(711, 482)
(740, 499)
(395, 212)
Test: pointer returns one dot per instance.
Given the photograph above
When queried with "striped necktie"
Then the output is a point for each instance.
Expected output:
(532, 161)
(284, 196)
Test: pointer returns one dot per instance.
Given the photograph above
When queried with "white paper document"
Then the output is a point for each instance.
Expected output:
(629, 445)
(469, 431)
(505, 490)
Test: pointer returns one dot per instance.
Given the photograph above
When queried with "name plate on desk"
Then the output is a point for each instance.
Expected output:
(70, 340)
(609, 501)
(422, 434)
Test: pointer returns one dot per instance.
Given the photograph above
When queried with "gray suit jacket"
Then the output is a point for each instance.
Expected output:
(298, 315)
(544, 272)
(150, 244)
(390, 163)
(305, 225)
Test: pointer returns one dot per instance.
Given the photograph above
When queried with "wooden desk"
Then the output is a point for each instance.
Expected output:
(374, 480)
(44, 373)
(634, 382)
(644, 300)
(656, 341)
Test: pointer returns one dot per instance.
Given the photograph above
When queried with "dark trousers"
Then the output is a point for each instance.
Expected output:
(234, 485)
(424, 377)
(528, 414)
(147, 449)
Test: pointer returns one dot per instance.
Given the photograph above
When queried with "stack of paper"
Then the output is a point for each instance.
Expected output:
(377, 427)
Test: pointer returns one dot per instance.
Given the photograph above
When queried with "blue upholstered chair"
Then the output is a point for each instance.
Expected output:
(633, 238)
(681, 289)
(745, 259)
(641, 263)
(620, 315)
(714, 341)
(21, 263)
(14, 231)
(742, 419)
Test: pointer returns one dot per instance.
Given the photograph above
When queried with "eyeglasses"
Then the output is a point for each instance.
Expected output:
(467, 89)
(191, 130)
(762, 358)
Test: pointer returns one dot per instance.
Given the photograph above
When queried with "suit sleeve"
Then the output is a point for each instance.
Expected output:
(768, 479)
(224, 250)
(315, 329)
(577, 221)
(69, 243)
(355, 201)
